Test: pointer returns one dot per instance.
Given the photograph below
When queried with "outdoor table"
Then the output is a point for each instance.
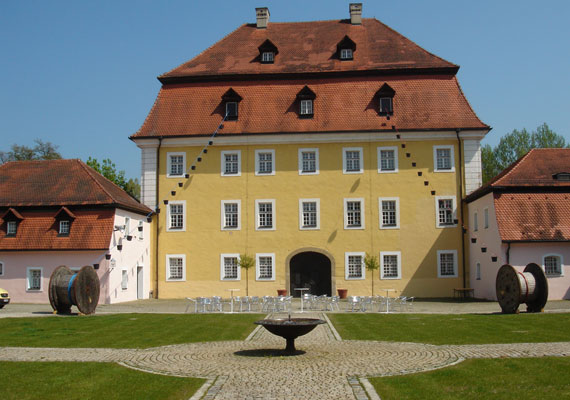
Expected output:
(301, 290)
(388, 298)
(232, 298)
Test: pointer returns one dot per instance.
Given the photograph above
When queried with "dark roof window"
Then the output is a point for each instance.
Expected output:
(562, 176)
(385, 96)
(267, 52)
(12, 219)
(231, 99)
(305, 98)
(345, 49)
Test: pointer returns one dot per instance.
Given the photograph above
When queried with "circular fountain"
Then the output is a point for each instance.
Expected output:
(290, 329)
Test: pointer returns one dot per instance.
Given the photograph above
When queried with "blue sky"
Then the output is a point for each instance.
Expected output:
(82, 74)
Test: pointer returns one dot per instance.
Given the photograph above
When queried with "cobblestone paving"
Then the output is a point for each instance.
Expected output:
(255, 369)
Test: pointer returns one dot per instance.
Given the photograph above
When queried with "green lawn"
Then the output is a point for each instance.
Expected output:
(125, 330)
(65, 380)
(514, 378)
(454, 329)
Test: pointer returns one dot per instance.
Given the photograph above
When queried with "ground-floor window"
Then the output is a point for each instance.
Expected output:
(552, 264)
(354, 265)
(390, 265)
(447, 263)
(176, 267)
(34, 279)
(229, 268)
(124, 279)
(264, 267)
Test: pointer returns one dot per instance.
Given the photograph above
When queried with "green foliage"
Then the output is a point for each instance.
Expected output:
(371, 263)
(246, 262)
(41, 151)
(89, 380)
(514, 145)
(108, 169)
(544, 378)
(454, 329)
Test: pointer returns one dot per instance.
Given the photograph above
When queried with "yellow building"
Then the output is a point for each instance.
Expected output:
(308, 145)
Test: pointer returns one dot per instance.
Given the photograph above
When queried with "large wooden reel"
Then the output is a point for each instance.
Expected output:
(529, 287)
(67, 289)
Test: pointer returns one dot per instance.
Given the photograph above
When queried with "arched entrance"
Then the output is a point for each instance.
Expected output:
(311, 270)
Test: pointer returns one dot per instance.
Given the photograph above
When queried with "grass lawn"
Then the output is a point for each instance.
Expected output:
(454, 329)
(125, 330)
(514, 378)
(63, 380)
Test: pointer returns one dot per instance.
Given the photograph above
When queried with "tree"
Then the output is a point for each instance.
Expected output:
(41, 151)
(371, 264)
(246, 262)
(108, 169)
(514, 145)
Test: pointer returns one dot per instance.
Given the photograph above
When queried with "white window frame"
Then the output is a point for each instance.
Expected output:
(477, 271)
(141, 231)
(124, 279)
(267, 57)
(306, 107)
(62, 224)
(387, 148)
(390, 105)
(451, 155)
(169, 164)
(475, 221)
(273, 220)
(9, 230)
(232, 117)
(222, 267)
(560, 259)
(300, 158)
(362, 214)
(360, 161)
(380, 213)
(346, 269)
(454, 211)
(454, 252)
(169, 221)
(486, 217)
(318, 207)
(346, 54)
(2, 268)
(168, 257)
(28, 289)
(398, 254)
(223, 162)
(257, 163)
(223, 215)
(257, 266)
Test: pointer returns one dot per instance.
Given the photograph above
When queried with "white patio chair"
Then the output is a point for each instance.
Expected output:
(334, 303)
(244, 304)
(365, 303)
(353, 303)
(268, 304)
(254, 303)
(216, 304)
(410, 304)
(190, 301)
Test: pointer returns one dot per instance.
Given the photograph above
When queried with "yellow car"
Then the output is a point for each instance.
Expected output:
(4, 297)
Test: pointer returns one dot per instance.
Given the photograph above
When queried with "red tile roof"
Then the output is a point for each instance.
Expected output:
(309, 47)
(90, 230)
(429, 102)
(60, 183)
(533, 216)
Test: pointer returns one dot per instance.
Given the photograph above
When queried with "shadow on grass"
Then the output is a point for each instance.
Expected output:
(268, 353)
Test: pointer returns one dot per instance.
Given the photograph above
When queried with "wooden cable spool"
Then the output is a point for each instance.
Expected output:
(529, 287)
(80, 289)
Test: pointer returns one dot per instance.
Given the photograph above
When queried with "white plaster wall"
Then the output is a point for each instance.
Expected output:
(473, 167)
(135, 253)
(490, 238)
(148, 177)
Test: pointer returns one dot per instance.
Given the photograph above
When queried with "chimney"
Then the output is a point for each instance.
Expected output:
(262, 15)
(355, 14)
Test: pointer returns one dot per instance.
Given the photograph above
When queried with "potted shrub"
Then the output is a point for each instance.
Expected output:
(371, 263)
(246, 262)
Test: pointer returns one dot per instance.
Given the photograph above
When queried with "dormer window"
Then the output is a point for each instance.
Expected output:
(230, 100)
(64, 218)
(12, 218)
(385, 96)
(345, 49)
(64, 227)
(562, 176)
(305, 98)
(11, 228)
(267, 52)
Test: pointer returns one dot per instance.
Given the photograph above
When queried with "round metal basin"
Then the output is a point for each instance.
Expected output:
(290, 328)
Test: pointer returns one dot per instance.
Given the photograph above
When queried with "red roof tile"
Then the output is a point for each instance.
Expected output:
(90, 230)
(421, 103)
(309, 47)
(60, 183)
(533, 216)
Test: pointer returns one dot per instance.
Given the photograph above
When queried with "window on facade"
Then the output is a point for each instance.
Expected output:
(354, 266)
(308, 161)
(175, 164)
(231, 110)
(230, 267)
(306, 107)
(64, 227)
(176, 217)
(11, 228)
(267, 52)
(265, 214)
(552, 265)
(486, 217)
(124, 279)
(387, 159)
(306, 98)
(385, 105)
(231, 161)
(478, 271)
(353, 214)
(389, 213)
(34, 279)
(352, 160)
(445, 212)
(267, 57)
(265, 267)
(231, 215)
(447, 263)
(390, 265)
(475, 221)
(309, 214)
(1, 268)
(346, 54)
(175, 268)
(140, 229)
(265, 163)
(443, 159)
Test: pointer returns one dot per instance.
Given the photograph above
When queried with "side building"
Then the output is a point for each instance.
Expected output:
(522, 216)
(62, 212)
(308, 145)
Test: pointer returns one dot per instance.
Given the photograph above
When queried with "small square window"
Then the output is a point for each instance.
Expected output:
(231, 110)
(346, 54)
(11, 228)
(386, 105)
(552, 265)
(306, 107)
(387, 159)
(229, 267)
(308, 161)
(267, 57)
(231, 163)
(64, 227)
(352, 160)
(264, 162)
(443, 159)
(176, 267)
(176, 164)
